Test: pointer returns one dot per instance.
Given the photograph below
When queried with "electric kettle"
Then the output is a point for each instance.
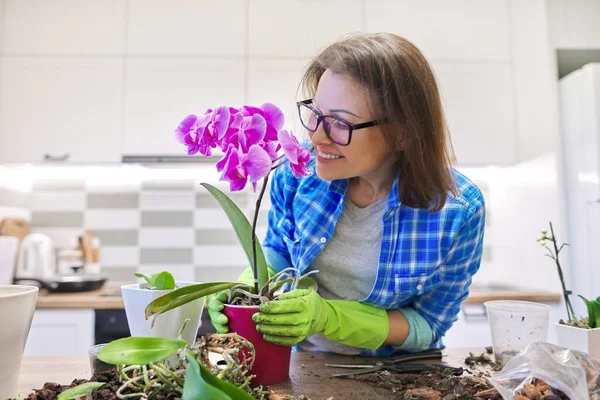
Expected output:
(36, 258)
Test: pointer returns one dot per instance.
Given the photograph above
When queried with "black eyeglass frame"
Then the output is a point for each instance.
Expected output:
(352, 127)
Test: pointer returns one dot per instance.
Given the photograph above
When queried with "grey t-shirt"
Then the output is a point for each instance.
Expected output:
(348, 264)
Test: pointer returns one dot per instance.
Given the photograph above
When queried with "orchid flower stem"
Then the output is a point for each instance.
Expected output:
(570, 312)
(254, 220)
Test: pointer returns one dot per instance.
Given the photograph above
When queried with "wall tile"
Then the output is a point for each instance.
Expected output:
(114, 256)
(117, 237)
(211, 218)
(62, 238)
(206, 237)
(112, 219)
(55, 185)
(213, 256)
(64, 27)
(217, 274)
(57, 219)
(121, 274)
(15, 199)
(167, 237)
(168, 184)
(113, 200)
(154, 219)
(160, 201)
(56, 201)
(206, 200)
(166, 256)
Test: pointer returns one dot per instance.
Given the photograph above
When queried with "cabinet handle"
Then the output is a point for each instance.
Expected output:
(49, 157)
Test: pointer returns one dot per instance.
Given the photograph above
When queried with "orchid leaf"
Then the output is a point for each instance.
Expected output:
(243, 230)
(147, 278)
(200, 384)
(164, 281)
(593, 307)
(184, 295)
(80, 390)
(140, 350)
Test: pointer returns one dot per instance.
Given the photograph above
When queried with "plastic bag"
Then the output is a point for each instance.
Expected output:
(572, 372)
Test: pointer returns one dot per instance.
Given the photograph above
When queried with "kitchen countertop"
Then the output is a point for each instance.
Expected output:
(308, 374)
(109, 297)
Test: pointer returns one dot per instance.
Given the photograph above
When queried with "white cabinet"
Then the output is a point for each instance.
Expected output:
(161, 92)
(61, 332)
(60, 109)
(479, 109)
(299, 28)
(445, 30)
(574, 24)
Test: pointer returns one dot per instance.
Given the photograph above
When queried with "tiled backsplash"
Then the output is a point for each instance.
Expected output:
(156, 225)
(153, 218)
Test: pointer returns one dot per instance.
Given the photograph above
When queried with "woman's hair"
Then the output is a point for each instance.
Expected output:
(403, 91)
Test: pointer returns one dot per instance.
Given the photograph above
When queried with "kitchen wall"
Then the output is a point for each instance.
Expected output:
(98, 80)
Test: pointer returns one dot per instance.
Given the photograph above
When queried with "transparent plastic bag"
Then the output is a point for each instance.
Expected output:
(572, 372)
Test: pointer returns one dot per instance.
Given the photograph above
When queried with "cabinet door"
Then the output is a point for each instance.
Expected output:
(60, 109)
(478, 103)
(161, 92)
(471, 329)
(60, 332)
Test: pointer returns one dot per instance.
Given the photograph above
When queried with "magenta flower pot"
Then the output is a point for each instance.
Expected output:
(272, 362)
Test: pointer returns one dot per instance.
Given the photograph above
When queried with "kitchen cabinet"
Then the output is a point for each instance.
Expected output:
(60, 332)
(60, 109)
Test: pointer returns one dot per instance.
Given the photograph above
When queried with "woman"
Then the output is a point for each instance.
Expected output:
(395, 233)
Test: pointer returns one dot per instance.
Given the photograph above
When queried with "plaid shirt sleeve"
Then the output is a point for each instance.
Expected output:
(441, 305)
(274, 246)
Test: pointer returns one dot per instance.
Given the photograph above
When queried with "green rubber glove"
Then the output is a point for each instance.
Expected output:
(215, 303)
(301, 313)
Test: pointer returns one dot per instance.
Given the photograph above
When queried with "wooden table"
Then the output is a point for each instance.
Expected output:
(308, 375)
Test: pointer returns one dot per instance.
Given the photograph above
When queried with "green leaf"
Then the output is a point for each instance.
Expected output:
(200, 384)
(243, 230)
(593, 307)
(184, 295)
(80, 390)
(164, 281)
(149, 279)
(140, 350)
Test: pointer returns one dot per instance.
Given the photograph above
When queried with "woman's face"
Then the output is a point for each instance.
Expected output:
(367, 155)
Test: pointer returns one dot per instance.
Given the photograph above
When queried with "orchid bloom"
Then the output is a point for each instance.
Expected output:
(250, 137)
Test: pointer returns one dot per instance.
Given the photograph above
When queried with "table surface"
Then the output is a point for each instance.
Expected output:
(308, 374)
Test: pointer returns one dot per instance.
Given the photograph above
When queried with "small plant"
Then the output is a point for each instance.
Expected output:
(593, 306)
(144, 375)
(159, 281)
(553, 253)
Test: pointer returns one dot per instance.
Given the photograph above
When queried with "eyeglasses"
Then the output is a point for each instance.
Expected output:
(336, 129)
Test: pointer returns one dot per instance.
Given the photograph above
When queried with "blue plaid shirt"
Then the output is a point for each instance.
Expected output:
(426, 259)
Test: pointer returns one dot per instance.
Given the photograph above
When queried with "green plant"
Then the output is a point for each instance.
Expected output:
(554, 253)
(243, 293)
(159, 281)
(139, 362)
(593, 308)
(79, 391)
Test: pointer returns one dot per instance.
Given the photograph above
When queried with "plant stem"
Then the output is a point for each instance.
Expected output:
(570, 312)
(254, 220)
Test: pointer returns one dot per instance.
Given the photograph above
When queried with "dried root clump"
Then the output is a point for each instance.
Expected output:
(539, 390)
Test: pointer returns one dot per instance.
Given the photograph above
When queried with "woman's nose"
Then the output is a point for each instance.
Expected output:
(319, 137)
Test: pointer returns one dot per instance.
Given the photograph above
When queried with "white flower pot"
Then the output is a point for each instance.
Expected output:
(586, 340)
(167, 325)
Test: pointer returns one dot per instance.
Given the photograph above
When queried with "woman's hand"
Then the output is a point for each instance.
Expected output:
(292, 317)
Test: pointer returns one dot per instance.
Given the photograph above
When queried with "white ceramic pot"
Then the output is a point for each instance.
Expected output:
(167, 325)
(17, 305)
(586, 340)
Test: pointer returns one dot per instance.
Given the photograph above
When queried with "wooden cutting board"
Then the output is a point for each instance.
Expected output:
(18, 227)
